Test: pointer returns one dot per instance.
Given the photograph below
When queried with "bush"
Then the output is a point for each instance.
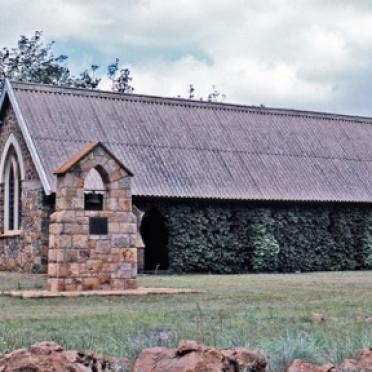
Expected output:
(232, 238)
(264, 248)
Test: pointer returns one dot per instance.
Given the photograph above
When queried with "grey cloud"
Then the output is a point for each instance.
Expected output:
(296, 53)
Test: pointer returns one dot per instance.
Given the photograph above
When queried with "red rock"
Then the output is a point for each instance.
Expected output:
(251, 360)
(43, 357)
(185, 346)
(50, 357)
(361, 361)
(299, 365)
(194, 356)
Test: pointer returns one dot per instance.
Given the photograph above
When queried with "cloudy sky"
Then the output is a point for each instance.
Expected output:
(307, 54)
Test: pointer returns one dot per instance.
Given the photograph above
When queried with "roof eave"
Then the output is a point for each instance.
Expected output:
(8, 91)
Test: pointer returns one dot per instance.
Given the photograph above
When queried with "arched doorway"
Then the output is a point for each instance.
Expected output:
(155, 237)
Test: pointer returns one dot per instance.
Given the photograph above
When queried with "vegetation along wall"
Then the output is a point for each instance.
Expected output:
(232, 238)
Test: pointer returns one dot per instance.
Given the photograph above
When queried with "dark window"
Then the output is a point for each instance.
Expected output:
(98, 226)
(11, 198)
(93, 201)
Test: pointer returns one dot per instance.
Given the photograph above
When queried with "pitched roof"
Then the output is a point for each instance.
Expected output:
(84, 151)
(182, 148)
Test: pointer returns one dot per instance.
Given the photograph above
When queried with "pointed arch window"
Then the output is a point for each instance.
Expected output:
(12, 173)
(12, 192)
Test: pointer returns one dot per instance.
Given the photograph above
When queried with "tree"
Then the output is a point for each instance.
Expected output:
(120, 78)
(215, 95)
(191, 91)
(34, 61)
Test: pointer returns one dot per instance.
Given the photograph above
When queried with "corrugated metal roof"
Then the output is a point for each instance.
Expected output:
(182, 148)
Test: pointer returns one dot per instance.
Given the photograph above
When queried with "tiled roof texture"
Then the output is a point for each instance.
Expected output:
(182, 148)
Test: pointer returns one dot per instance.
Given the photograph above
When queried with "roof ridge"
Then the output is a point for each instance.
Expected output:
(177, 101)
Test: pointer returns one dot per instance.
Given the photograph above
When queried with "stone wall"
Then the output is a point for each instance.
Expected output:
(79, 260)
(26, 250)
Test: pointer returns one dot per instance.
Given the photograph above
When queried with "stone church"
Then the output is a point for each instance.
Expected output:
(84, 173)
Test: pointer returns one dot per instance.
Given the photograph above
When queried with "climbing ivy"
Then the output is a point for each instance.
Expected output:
(233, 238)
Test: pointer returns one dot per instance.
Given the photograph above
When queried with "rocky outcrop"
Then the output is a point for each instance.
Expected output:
(187, 357)
(194, 356)
(50, 357)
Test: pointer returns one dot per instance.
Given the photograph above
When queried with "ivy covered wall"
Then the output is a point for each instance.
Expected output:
(240, 237)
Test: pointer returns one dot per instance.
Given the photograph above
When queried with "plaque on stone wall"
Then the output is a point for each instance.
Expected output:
(98, 226)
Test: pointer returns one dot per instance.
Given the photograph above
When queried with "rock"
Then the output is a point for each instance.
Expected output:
(43, 357)
(195, 356)
(361, 361)
(186, 346)
(319, 318)
(246, 359)
(187, 357)
(49, 356)
(299, 365)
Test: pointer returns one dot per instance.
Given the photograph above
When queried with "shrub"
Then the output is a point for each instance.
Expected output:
(232, 238)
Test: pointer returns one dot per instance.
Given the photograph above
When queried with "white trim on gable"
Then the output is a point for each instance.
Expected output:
(12, 141)
(27, 137)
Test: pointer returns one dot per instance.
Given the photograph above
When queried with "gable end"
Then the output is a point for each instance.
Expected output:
(8, 95)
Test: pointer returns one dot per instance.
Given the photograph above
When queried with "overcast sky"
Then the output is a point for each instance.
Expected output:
(305, 54)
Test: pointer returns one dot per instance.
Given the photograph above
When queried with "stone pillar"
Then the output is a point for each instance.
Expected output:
(79, 260)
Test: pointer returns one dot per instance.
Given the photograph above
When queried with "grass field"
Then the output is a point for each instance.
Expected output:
(267, 312)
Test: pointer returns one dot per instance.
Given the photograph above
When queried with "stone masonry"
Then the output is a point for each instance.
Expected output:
(79, 260)
(26, 250)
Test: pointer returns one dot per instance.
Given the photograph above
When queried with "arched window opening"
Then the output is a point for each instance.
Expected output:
(154, 233)
(11, 198)
(12, 195)
(94, 191)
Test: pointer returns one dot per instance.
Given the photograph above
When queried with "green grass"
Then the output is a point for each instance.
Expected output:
(267, 312)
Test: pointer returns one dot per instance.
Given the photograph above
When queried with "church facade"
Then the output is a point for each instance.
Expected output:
(95, 185)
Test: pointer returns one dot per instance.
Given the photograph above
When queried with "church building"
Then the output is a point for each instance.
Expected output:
(96, 185)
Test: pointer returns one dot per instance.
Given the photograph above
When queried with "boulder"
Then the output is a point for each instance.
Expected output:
(50, 357)
(195, 356)
(247, 360)
(299, 365)
(361, 361)
(42, 357)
